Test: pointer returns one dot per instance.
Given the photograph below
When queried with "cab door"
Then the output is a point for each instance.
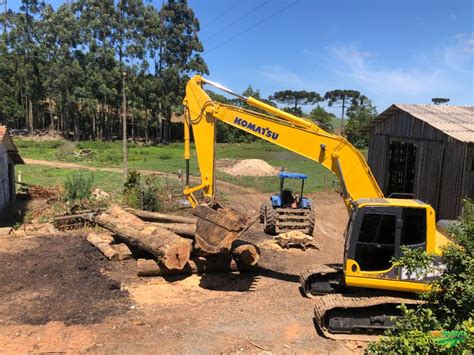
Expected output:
(377, 238)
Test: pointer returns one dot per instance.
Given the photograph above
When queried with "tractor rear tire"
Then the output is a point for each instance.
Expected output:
(263, 206)
(312, 221)
(270, 220)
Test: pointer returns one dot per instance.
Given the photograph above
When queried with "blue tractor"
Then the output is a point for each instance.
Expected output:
(288, 211)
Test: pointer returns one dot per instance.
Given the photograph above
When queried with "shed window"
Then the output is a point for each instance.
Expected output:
(401, 167)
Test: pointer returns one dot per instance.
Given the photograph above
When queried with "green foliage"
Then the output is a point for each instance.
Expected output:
(298, 111)
(78, 187)
(412, 334)
(415, 261)
(343, 98)
(449, 304)
(133, 180)
(360, 113)
(296, 99)
(142, 193)
(62, 67)
(322, 117)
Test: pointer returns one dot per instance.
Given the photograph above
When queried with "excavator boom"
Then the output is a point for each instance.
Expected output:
(296, 134)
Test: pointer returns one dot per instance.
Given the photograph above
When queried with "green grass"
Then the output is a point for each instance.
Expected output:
(46, 176)
(169, 158)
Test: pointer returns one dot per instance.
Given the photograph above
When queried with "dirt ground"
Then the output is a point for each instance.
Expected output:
(58, 294)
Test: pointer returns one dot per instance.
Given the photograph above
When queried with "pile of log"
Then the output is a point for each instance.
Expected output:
(173, 243)
(112, 248)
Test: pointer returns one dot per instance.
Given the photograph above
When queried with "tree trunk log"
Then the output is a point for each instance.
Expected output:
(245, 253)
(102, 242)
(161, 217)
(183, 229)
(215, 264)
(168, 247)
(123, 251)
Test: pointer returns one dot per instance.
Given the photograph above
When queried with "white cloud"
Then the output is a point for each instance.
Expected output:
(355, 64)
(284, 77)
(458, 55)
(446, 71)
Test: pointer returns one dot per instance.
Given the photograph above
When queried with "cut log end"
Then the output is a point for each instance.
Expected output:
(177, 256)
(246, 253)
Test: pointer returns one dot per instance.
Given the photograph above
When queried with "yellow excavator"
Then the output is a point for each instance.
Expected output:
(361, 295)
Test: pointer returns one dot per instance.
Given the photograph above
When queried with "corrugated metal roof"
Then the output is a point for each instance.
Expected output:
(455, 121)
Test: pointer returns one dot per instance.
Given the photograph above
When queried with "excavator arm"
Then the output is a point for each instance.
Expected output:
(296, 134)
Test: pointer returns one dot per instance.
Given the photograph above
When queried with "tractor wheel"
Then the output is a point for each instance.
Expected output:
(263, 206)
(312, 221)
(270, 220)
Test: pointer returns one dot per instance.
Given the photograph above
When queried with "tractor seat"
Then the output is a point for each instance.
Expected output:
(287, 198)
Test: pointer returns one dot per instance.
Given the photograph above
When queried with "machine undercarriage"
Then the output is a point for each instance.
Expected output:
(348, 313)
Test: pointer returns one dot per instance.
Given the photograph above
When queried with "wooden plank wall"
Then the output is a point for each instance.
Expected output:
(440, 165)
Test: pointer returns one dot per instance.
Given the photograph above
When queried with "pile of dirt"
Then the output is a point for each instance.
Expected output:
(246, 167)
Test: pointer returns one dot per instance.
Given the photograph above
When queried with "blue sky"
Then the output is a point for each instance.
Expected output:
(404, 51)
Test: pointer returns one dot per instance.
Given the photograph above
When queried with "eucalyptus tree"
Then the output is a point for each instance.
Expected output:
(23, 39)
(174, 45)
(63, 68)
(12, 112)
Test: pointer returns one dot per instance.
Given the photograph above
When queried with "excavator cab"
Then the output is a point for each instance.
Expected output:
(287, 211)
(377, 232)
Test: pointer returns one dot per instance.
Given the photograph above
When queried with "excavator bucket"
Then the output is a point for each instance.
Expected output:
(217, 227)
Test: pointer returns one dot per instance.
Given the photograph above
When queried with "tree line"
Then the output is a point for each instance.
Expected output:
(71, 69)
(75, 68)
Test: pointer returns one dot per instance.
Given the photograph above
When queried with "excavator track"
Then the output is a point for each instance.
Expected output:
(320, 279)
(349, 314)
(358, 316)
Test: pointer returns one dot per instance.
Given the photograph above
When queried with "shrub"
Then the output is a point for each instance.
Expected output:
(141, 193)
(78, 187)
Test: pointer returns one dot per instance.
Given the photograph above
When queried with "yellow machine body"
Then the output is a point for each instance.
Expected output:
(390, 278)
(360, 190)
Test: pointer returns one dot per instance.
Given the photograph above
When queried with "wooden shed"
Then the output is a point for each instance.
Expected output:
(9, 157)
(427, 151)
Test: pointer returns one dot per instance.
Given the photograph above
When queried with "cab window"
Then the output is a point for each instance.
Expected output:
(376, 245)
(414, 226)
(378, 228)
